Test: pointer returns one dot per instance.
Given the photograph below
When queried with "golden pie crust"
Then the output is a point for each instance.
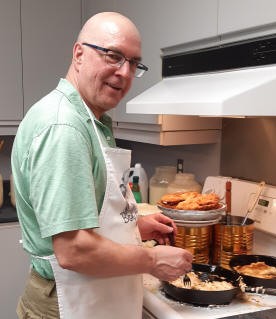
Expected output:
(258, 269)
(190, 201)
(197, 284)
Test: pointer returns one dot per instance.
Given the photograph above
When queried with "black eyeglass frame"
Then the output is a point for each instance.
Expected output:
(139, 65)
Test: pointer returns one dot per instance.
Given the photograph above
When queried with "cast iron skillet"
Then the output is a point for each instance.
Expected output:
(201, 297)
(241, 260)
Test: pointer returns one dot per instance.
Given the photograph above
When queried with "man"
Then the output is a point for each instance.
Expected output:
(78, 216)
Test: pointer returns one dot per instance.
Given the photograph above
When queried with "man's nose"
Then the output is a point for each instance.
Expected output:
(125, 69)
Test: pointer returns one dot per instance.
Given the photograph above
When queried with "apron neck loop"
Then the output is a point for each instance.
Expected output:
(94, 124)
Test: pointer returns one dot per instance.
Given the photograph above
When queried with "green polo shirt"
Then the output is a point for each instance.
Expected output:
(58, 170)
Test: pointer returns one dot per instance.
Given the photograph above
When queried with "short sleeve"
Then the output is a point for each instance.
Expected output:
(62, 186)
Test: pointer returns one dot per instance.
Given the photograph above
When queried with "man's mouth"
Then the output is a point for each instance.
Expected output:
(114, 86)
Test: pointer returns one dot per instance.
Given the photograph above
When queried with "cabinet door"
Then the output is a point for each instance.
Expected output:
(11, 108)
(236, 15)
(49, 29)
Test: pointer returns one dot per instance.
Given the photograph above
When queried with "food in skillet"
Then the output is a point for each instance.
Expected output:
(190, 201)
(257, 269)
(198, 284)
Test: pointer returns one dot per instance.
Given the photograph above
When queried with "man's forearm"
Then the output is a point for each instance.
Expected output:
(89, 253)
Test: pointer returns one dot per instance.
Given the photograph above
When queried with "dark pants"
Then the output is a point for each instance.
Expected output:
(39, 300)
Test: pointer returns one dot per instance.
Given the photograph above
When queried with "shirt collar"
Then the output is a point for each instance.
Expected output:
(74, 97)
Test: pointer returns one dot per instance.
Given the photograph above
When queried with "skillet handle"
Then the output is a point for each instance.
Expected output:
(171, 236)
(261, 290)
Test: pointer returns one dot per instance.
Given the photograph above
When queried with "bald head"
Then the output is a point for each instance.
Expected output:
(100, 27)
(102, 82)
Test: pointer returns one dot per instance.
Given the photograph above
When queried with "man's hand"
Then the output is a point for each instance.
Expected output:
(170, 262)
(156, 226)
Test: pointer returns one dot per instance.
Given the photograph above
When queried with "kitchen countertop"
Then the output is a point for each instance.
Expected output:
(263, 314)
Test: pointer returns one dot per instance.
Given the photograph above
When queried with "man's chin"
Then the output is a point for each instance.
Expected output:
(111, 104)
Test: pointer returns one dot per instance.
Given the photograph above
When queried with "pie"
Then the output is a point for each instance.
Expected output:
(257, 269)
(190, 201)
(197, 284)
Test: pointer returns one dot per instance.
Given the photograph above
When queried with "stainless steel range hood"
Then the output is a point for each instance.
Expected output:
(249, 90)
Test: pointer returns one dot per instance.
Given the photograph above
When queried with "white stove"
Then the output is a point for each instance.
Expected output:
(157, 305)
(161, 307)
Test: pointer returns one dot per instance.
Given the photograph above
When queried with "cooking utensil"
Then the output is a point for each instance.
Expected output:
(204, 297)
(187, 281)
(253, 204)
(228, 190)
(241, 260)
(171, 236)
(260, 290)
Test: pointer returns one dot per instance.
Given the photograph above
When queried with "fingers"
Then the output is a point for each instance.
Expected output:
(171, 262)
(165, 239)
(166, 220)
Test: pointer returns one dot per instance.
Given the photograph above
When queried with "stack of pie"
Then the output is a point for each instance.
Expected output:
(190, 201)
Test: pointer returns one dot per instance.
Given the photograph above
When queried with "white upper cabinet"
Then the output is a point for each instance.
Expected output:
(11, 108)
(49, 29)
(246, 15)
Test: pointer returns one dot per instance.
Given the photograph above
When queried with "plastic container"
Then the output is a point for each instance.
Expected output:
(184, 182)
(159, 182)
(139, 171)
(136, 189)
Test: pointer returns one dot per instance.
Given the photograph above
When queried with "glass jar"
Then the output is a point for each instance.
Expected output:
(159, 182)
(184, 182)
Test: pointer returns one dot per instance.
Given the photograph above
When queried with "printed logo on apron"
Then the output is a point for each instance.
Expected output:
(130, 212)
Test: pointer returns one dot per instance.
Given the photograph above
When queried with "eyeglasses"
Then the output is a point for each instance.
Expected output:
(117, 59)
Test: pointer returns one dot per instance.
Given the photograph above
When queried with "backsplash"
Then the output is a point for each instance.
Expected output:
(201, 160)
(249, 149)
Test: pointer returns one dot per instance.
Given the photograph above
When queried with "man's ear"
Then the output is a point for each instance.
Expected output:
(77, 54)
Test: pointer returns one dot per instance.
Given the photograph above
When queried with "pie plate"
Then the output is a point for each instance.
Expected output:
(193, 215)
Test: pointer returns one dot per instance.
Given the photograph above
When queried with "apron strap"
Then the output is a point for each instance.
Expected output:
(94, 124)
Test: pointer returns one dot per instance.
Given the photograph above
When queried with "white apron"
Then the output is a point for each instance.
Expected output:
(84, 297)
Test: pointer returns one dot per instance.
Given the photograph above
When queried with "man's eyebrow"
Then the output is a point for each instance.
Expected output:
(116, 50)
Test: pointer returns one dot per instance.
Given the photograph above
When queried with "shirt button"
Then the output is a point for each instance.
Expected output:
(108, 138)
